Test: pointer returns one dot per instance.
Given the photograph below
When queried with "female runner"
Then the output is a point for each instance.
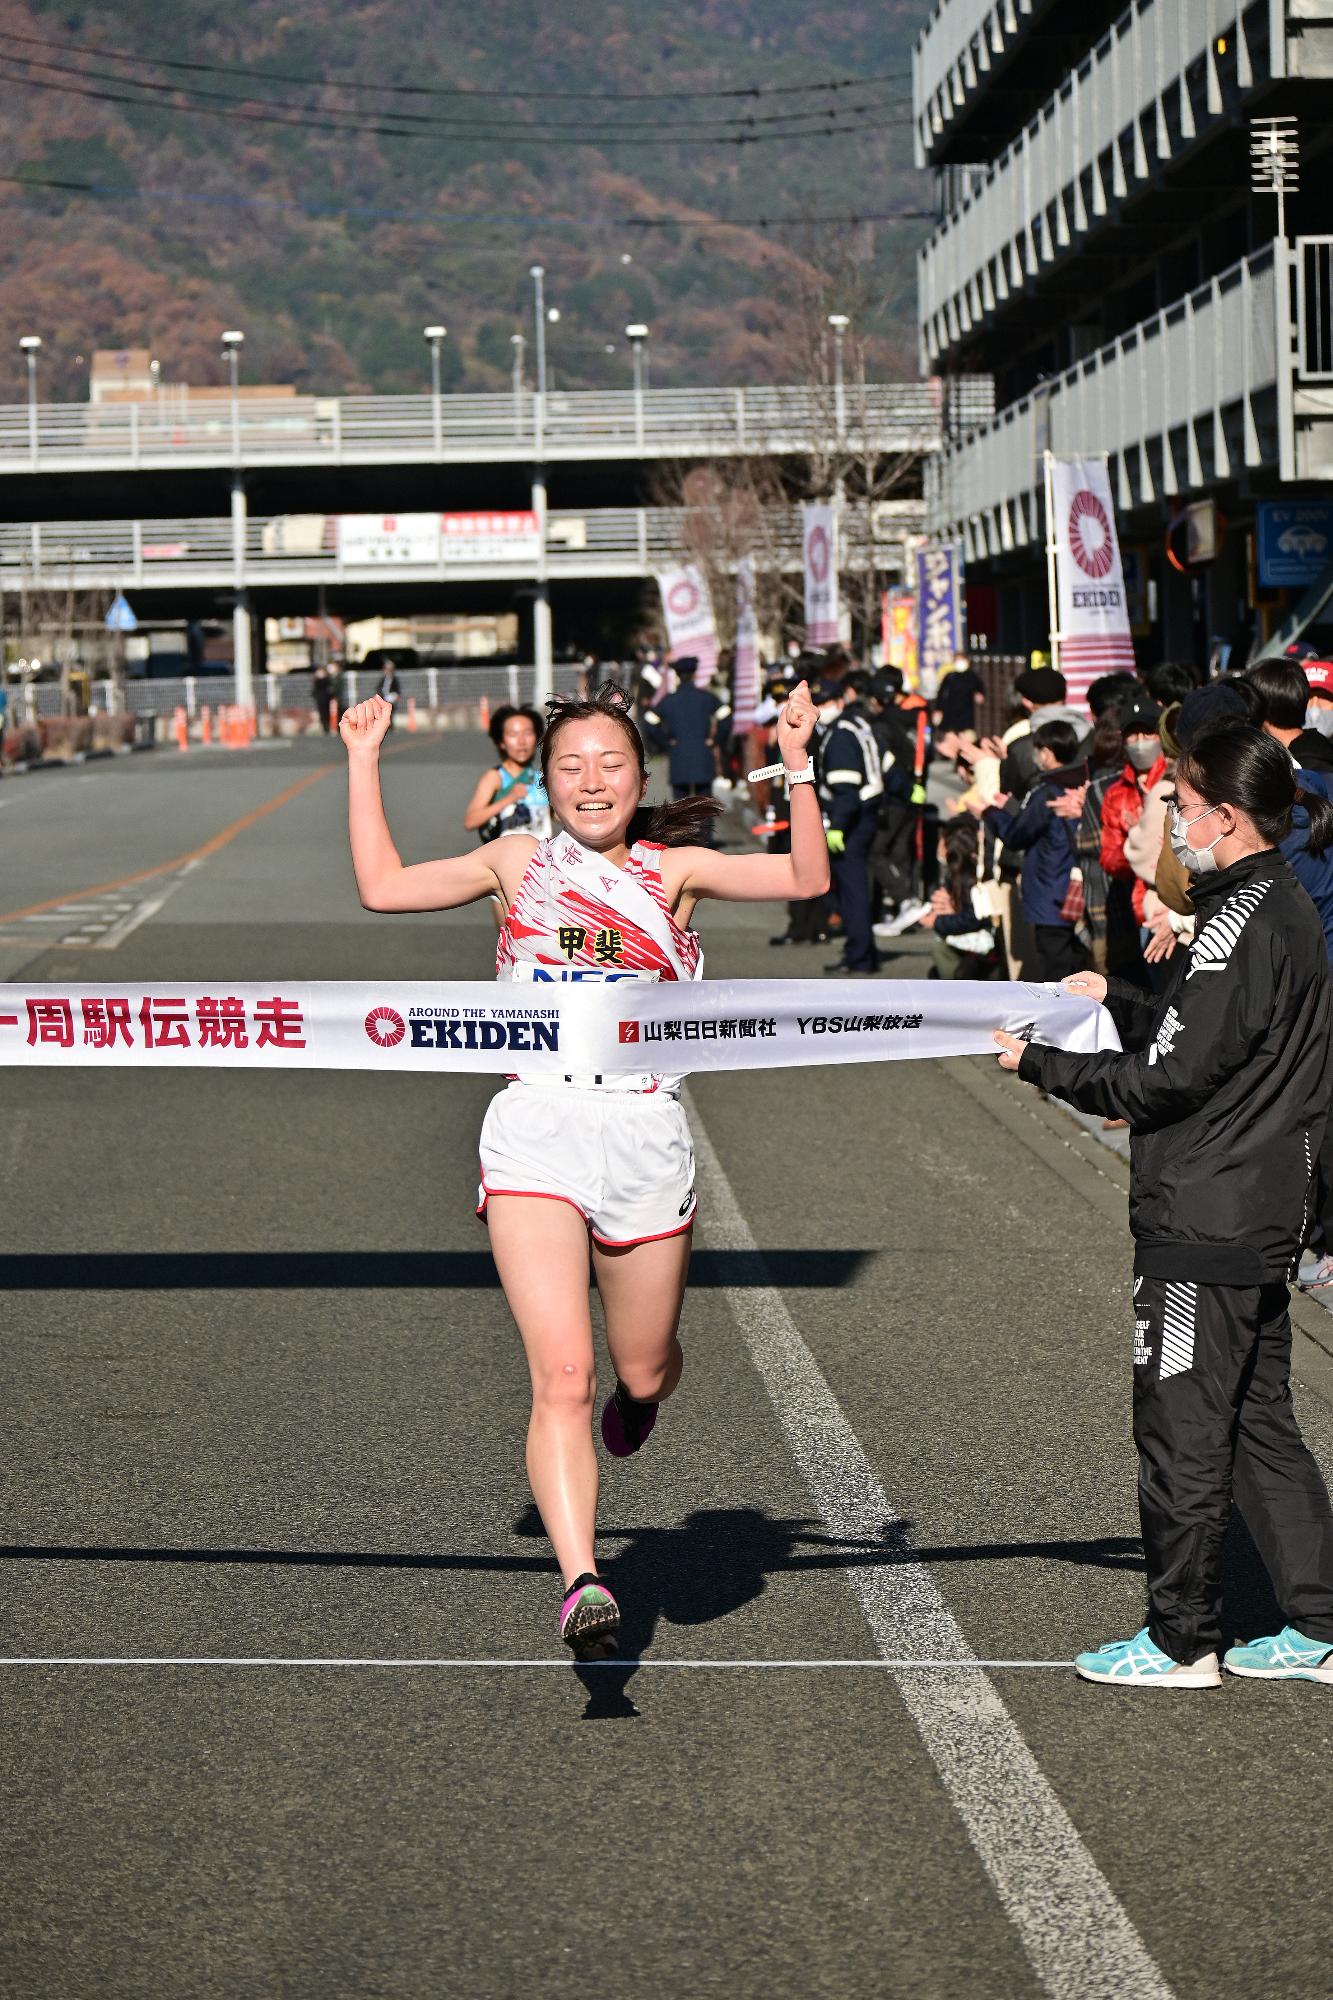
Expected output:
(510, 797)
(589, 1172)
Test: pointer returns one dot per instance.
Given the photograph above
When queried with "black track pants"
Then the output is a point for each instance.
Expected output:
(1213, 1420)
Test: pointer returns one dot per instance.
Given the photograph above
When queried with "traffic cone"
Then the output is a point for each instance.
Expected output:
(205, 727)
(333, 717)
(412, 714)
(182, 729)
(484, 714)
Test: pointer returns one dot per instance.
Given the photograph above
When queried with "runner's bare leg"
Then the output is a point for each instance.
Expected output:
(541, 1253)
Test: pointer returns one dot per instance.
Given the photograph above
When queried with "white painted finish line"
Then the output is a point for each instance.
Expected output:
(1079, 1940)
(566, 1662)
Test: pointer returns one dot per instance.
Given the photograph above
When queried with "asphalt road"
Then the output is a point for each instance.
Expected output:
(262, 1399)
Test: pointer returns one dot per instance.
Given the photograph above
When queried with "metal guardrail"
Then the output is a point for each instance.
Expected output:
(1184, 398)
(327, 430)
(430, 687)
(1144, 93)
(199, 551)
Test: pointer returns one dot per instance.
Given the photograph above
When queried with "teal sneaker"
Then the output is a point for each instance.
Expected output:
(1289, 1656)
(1137, 1662)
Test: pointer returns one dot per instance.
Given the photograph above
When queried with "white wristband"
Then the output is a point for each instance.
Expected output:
(805, 777)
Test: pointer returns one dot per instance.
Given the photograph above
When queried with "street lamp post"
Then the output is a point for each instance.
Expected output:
(840, 323)
(435, 335)
(30, 343)
(517, 342)
(232, 343)
(637, 336)
(241, 635)
(542, 646)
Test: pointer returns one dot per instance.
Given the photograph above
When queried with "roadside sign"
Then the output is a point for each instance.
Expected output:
(120, 618)
(1295, 542)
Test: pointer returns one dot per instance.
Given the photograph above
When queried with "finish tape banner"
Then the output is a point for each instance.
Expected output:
(616, 1025)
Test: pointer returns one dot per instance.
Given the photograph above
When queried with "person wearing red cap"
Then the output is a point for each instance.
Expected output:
(1313, 748)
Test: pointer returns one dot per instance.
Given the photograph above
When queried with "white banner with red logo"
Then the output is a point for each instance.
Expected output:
(745, 683)
(819, 541)
(603, 1025)
(1090, 612)
(688, 611)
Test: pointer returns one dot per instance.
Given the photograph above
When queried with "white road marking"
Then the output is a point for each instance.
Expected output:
(1079, 1940)
(656, 1665)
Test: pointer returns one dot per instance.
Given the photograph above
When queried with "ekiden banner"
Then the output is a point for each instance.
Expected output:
(607, 1025)
(687, 609)
(819, 543)
(1090, 611)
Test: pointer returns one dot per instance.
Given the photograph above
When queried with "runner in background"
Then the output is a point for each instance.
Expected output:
(591, 1177)
(511, 798)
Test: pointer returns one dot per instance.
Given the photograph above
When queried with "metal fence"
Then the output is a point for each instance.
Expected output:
(337, 430)
(296, 547)
(1181, 399)
(429, 687)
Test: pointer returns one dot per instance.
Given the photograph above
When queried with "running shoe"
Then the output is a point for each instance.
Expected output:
(1315, 1275)
(625, 1423)
(1287, 1656)
(1137, 1662)
(910, 913)
(589, 1618)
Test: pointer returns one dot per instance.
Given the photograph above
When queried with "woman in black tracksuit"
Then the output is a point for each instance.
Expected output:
(1225, 1083)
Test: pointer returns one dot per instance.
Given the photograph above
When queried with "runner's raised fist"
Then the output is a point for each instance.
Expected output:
(364, 727)
(796, 724)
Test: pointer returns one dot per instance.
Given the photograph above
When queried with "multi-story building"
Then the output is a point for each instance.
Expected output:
(1099, 253)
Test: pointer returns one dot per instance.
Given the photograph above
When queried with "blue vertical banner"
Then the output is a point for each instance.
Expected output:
(939, 617)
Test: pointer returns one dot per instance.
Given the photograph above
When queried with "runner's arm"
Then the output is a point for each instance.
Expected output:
(481, 806)
(762, 878)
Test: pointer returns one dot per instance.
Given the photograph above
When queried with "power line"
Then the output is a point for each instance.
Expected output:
(350, 121)
(453, 218)
(454, 90)
(516, 136)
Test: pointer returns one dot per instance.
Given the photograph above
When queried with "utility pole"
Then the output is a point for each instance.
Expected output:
(241, 635)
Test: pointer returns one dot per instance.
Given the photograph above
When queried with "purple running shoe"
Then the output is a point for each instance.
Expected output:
(625, 1423)
(589, 1618)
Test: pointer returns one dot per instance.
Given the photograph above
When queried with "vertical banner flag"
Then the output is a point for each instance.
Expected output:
(898, 628)
(688, 611)
(1089, 609)
(820, 546)
(939, 617)
(745, 685)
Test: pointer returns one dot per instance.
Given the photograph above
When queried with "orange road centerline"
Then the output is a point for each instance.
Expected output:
(212, 846)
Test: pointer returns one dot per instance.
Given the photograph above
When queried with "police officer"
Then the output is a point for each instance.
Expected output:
(851, 786)
(688, 720)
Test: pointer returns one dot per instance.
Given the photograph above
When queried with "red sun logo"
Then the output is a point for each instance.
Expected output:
(385, 1026)
(817, 554)
(683, 598)
(1091, 536)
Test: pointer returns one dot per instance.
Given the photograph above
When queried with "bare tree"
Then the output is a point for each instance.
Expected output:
(749, 505)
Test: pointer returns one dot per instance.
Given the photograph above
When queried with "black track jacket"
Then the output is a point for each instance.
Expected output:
(1225, 1081)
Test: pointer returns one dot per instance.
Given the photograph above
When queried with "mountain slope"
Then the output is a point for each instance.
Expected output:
(333, 220)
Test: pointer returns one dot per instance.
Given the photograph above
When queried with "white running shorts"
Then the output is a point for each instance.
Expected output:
(624, 1159)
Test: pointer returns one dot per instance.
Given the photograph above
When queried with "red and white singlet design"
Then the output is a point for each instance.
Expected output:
(561, 923)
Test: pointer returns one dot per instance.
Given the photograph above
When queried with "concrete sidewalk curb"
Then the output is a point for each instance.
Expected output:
(1101, 1175)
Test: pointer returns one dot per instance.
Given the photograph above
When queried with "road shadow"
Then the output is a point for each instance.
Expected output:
(377, 1270)
(705, 1568)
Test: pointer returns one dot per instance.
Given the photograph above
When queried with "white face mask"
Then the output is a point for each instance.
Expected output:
(1319, 715)
(1142, 752)
(1195, 860)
